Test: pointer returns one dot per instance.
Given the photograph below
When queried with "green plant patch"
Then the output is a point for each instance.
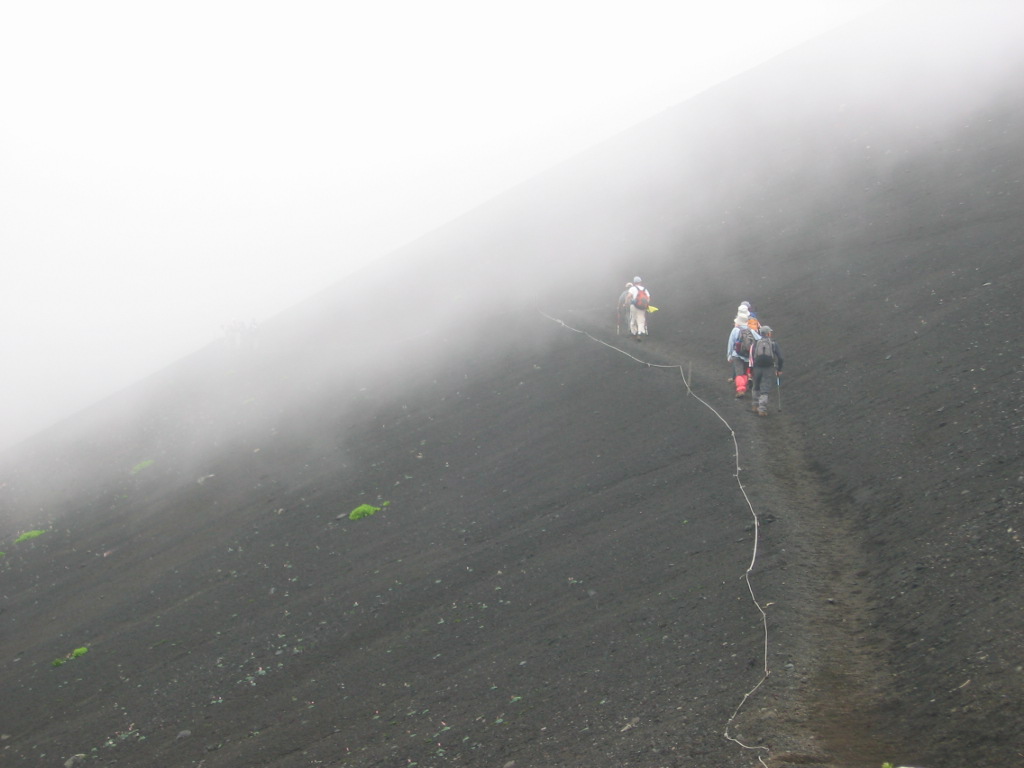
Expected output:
(144, 464)
(365, 510)
(28, 535)
(73, 655)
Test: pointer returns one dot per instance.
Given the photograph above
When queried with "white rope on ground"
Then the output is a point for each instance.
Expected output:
(766, 672)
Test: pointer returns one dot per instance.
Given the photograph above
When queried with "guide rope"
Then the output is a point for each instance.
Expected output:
(766, 671)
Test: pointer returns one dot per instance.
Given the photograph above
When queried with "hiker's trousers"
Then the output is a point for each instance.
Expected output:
(763, 381)
(637, 321)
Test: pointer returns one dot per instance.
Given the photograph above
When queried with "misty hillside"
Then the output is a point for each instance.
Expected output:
(584, 551)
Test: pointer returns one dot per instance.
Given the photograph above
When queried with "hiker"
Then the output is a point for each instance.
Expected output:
(766, 364)
(753, 321)
(737, 353)
(622, 308)
(639, 301)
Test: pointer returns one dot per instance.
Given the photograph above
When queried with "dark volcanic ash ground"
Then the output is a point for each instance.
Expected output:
(577, 534)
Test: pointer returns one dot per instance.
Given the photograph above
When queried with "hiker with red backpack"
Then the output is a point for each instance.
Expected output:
(766, 364)
(737, 353)
(639, 302)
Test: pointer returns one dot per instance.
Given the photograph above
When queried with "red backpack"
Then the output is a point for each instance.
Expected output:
(643, 298)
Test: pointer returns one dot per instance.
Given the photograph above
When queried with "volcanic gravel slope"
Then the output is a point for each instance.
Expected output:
(577, 534)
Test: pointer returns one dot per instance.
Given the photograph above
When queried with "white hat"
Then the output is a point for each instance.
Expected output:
(637, 279)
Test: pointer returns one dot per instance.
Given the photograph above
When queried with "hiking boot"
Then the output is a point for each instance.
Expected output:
(753, 407)
(740, 393)
(762, 413)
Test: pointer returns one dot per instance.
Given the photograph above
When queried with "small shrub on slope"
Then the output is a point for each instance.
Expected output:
(365, 510)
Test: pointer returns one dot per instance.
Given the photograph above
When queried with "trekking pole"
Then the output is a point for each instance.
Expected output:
(778, 388)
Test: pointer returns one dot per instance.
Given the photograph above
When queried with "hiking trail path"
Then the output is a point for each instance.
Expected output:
(823, 702)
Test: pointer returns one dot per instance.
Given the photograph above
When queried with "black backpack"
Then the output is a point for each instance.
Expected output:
(744, 341)
(764, 352)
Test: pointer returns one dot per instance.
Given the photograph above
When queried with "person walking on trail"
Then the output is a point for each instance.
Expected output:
(752, 322)
(622, 309)
(766, 364)
(639, 301)
(737, 352)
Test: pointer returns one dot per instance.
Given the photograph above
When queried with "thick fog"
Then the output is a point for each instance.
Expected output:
(170, 173)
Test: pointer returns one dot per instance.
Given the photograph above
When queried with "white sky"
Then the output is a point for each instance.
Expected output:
(167, 167)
